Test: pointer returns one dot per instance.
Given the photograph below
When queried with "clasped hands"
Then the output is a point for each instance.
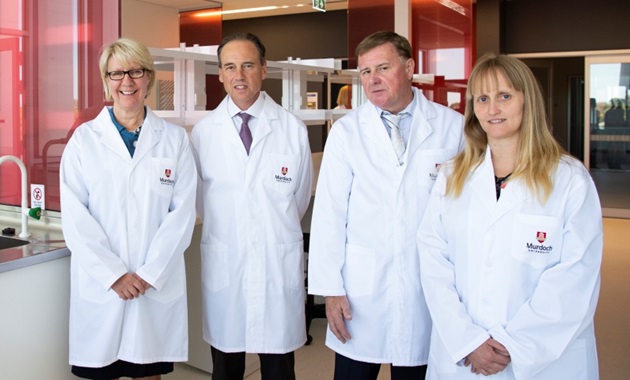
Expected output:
(130, 286)
(488, 359)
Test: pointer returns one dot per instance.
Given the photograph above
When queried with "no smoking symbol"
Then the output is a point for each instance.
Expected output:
(37, 194)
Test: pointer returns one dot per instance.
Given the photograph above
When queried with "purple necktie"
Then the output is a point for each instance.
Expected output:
(246, 134)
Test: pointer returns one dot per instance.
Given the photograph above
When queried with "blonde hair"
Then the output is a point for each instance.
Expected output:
(344, 97)
(126, 51)
(538, 153)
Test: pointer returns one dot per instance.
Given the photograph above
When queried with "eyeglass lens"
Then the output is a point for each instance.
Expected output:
(133, 74)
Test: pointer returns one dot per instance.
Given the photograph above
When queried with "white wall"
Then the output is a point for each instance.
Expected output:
(34, 321)
(153, 25)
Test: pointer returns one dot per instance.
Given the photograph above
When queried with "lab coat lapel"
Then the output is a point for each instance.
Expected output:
(223, 122)
(267, 118)
(420, 128)
(110, 137)
(149, 137)
(512, 195)
(372, 126)
(483, 184)
(230, 134)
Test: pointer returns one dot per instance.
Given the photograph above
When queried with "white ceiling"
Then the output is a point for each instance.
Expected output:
(284, 6)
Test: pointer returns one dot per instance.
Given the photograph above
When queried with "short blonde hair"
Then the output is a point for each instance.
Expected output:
(127, 51)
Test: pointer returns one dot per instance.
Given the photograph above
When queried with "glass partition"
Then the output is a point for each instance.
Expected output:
(608, 128)
(49, 83)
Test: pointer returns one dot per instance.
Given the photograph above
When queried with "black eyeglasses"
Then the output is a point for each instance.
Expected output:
(133, 74)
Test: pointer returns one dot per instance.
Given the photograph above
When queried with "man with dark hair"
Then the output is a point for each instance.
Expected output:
(255, 168)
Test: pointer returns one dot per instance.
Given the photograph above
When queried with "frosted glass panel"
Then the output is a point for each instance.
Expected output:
(49, 83)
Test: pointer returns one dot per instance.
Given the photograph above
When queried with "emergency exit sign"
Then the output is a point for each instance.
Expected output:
(319, 5)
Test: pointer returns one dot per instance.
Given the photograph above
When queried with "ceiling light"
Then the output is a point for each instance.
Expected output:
(454, 6)
(259, 9)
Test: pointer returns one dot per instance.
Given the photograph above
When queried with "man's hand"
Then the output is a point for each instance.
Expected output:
(489, 358)
(337, 313)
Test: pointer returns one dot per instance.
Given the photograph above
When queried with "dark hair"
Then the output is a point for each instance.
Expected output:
(243, 37)
(401, 44)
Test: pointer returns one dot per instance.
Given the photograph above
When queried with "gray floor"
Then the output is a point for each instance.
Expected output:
(313, 362)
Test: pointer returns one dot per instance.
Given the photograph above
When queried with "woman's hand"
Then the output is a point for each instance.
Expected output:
(130, 286)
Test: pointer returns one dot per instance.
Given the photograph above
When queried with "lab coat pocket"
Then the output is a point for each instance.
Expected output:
(92, 291)
(163, 174)
(358, 270)
(214, 265)
(537, 240)
(175, 285)
(282, 173)
(289, 265)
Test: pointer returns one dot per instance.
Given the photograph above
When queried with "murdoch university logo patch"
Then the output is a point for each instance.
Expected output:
(283, 178)
(435, 171)
(541, 237)
(166, 180)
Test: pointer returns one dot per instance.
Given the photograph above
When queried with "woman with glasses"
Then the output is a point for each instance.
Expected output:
(128, 185)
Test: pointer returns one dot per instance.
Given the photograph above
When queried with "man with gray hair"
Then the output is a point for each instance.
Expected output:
(379, 164)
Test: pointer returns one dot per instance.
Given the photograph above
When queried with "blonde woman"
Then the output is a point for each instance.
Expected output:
(511, 243)
(344, 98)
(128, 185)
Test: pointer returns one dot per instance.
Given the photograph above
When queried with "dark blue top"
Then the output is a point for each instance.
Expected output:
(129, 138)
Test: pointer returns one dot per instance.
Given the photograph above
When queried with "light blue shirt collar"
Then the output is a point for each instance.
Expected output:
(405, 120)
(255, 110)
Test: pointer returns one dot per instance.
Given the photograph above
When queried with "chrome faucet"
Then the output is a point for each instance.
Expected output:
(26, 212)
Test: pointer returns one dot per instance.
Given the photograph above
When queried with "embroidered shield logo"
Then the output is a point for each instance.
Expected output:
(541, 236)
(167, 173)
(284, 170)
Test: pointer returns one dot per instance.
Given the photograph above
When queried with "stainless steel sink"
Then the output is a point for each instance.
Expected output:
(8, 242)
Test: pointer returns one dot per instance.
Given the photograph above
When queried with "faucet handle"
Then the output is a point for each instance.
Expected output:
(35, 212)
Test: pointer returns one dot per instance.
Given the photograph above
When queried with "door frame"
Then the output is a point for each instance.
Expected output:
(590, 56)
(588, 61)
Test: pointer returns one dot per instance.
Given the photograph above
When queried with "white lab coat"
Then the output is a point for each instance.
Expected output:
(487, 274)
(363, 233)
(252, 250)
(123, 215)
